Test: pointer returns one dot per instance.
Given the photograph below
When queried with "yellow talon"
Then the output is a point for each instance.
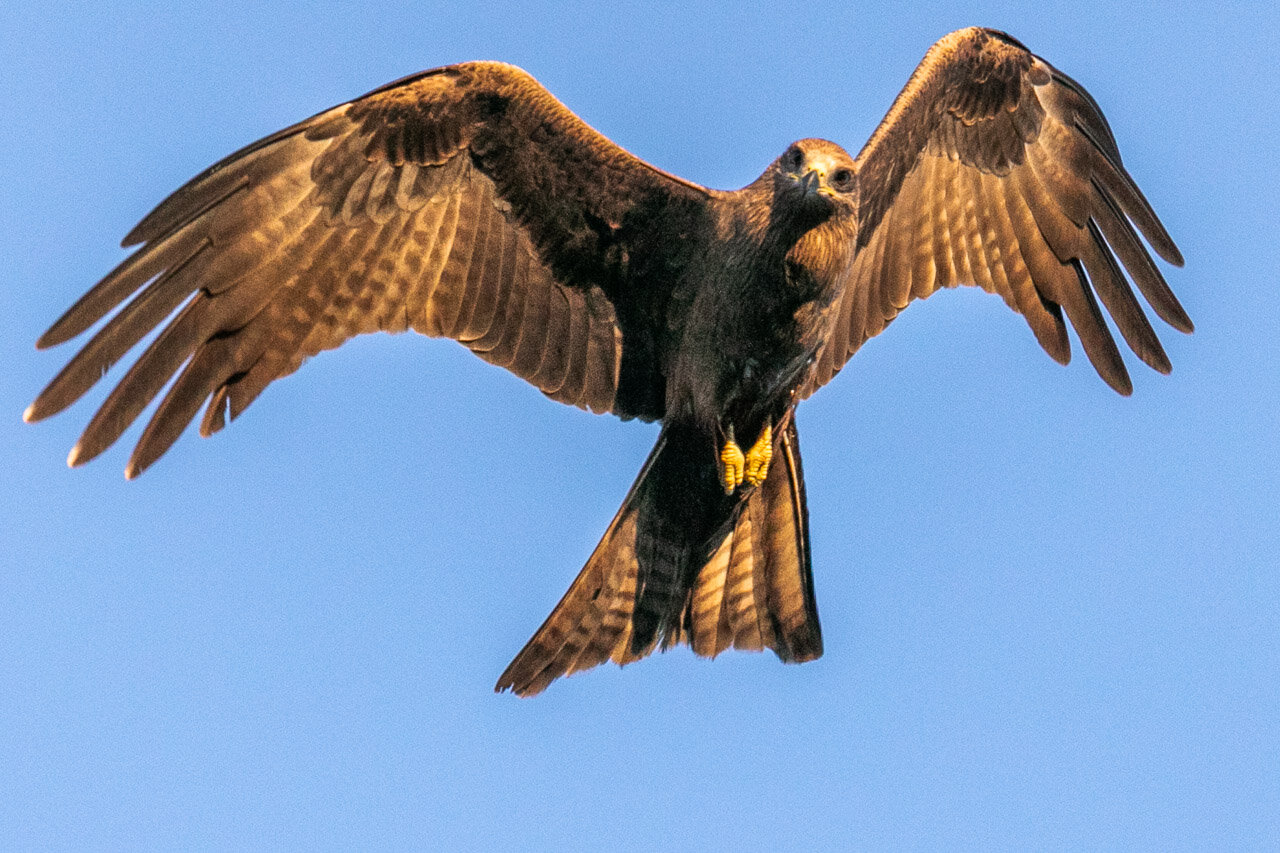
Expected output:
(759, 456)
(733, 464)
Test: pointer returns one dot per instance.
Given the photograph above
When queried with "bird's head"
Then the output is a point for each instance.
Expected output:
(817, 175)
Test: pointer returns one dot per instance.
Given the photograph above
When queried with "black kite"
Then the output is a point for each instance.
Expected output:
(467, 202)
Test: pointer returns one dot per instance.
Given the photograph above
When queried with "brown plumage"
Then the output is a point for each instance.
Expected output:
(466, 202)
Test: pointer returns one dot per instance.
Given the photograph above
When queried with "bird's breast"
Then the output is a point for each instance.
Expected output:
(744, 347)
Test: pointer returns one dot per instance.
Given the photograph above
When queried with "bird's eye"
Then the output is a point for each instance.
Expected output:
(795, 158)
(842, 178)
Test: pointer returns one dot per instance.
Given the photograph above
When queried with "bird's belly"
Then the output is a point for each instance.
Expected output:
(743, 349)
(725, 389)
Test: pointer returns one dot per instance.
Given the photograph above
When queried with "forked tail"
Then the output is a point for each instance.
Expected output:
(684, 563)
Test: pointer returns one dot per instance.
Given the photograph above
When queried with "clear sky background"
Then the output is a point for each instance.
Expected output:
(1052, 615)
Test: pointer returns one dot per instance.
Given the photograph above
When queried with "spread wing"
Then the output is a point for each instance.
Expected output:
(464, 202)
(994, 169)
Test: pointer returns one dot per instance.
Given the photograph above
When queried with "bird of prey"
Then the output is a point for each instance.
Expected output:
(467, 202)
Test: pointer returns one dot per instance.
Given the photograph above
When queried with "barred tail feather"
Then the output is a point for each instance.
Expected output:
(683, 563)
(756, 589)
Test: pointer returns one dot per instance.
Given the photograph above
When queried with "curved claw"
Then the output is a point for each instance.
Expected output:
(759, 456)
(732, 464)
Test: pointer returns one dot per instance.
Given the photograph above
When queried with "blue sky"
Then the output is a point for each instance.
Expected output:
(1052, 615)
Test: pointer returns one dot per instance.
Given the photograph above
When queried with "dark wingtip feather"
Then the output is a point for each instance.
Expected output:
(45, 405)
(1113, 372)
(77, 456)
(63, 329)
(215, 183)
(1111, 368)
(1162, 242)
(51, 338)
(137, 235)
(1175, 315)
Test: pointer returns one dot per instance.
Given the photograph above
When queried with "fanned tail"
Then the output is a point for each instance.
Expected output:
(683, 563)
(755, 591)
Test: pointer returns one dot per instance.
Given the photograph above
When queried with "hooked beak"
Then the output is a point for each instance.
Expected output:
(810, 182)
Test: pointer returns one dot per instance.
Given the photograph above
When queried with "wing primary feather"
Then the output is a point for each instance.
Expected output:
(250, 164)
(144, 380)
(117, 337)
(1082, 308)
(1134, 203)
(132, 273)
(1104, 139)
(1122, 238)
(292, 313)
(347, 290)
(1110, 284)
(1050, 277)
(205, 370)
(1046, 325)
(186, 207)
(215, 414)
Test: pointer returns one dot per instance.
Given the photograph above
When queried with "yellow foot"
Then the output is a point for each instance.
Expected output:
(759, 456)
(732, 464)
